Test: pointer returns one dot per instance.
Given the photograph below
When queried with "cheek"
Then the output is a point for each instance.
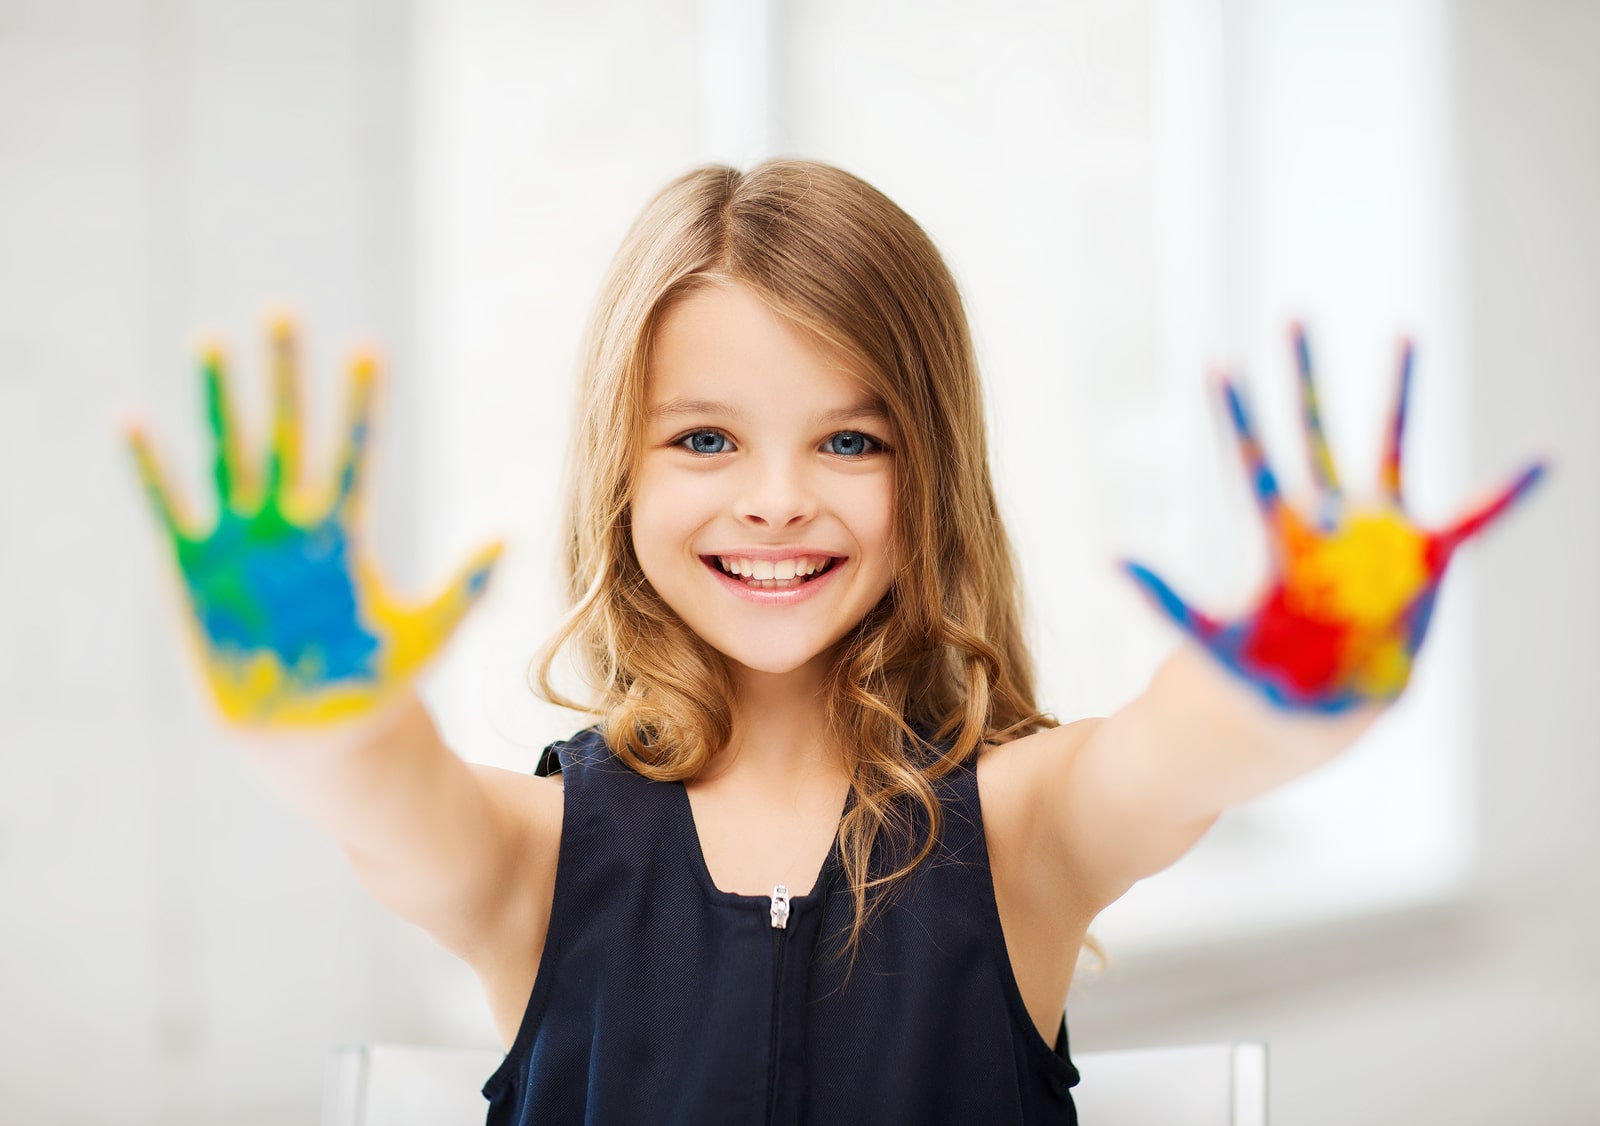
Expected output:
(872, 518)
(665, 513)
(649, 518)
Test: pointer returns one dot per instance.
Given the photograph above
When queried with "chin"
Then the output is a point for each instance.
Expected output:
(770, 661)
(767, 664)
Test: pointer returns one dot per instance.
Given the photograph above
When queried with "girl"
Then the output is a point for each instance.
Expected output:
(822, 858)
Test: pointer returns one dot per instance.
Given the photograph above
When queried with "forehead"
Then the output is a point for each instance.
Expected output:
(721, 345)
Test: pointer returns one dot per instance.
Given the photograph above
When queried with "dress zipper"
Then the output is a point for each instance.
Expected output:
(780, 924)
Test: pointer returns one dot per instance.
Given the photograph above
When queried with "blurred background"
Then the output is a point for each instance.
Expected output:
(1133, 194)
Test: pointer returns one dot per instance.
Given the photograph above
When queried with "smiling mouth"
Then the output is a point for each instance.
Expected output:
(768, 574)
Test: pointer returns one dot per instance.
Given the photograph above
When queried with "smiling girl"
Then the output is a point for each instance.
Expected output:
(821, 859)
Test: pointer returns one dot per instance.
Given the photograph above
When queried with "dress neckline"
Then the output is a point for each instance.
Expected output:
(697, 859)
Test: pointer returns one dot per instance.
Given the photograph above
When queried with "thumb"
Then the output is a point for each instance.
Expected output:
(1482, 515)
(420, 632)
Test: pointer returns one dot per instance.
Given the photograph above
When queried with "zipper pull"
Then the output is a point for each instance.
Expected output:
(780, 908)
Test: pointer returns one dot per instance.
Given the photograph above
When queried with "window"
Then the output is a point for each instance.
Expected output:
(1129, 195)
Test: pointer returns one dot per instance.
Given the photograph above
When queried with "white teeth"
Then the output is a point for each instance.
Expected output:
(780, 570)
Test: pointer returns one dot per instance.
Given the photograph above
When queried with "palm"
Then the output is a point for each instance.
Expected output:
(259, 583)
(1352, 591)
(294, 625)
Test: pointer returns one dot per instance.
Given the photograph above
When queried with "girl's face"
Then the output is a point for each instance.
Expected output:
(763, 504)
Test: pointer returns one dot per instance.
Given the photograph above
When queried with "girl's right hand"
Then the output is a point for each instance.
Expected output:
(292, 623)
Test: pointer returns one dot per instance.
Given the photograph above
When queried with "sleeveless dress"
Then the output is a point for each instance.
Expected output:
(660, 999)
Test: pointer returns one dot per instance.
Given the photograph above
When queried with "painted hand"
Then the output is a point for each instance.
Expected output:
(1352, 591)
(293, 625)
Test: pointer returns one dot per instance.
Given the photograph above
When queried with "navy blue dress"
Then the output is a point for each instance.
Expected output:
(660, 999)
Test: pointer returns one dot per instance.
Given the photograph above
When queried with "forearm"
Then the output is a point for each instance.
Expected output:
(1200, 740)
(381, 784)
(428, 835)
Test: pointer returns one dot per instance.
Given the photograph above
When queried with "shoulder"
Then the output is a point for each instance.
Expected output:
(530, 811)
(1012, 776)
(506, 949)
(1044, 904)
(536, 799)
(1020, 785)
(585, 748)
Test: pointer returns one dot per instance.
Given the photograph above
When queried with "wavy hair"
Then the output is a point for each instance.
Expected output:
(938, 667)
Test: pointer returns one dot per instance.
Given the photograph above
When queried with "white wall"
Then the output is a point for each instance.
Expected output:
(175, 949)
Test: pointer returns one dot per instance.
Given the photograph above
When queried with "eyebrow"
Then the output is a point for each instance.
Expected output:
(673, 408)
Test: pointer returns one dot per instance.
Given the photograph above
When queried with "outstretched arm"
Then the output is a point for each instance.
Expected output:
(1254, 702)
(310, 660)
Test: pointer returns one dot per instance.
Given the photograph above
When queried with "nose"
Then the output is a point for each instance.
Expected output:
(776, 494)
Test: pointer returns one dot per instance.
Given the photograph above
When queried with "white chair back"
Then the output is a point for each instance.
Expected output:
(1193, 1085)
(406, 1085)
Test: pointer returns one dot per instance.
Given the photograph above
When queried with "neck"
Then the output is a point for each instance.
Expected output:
(780, 726)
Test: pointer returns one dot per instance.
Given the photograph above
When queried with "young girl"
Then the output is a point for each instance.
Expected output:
(822, 859)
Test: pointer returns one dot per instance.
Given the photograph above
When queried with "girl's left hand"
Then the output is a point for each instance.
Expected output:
(1352, 591)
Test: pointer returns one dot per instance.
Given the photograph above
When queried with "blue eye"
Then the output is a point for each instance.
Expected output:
(851, 444)
(704, 442)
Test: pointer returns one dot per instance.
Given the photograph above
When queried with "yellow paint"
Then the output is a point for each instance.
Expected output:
(260, 691)
(1364, 574)
(1382, 670)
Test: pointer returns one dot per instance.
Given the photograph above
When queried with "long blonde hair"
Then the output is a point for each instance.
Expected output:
(938, 667)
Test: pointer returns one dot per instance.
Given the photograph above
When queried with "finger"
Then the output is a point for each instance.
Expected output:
(352, 459)
(1389, 471)
(155, 486)
(1418, 616)
(472, 582)
(1322, 467)
(227, 466)
(1480, 517)
(1262, 481)
(283, 465)
(422, 632)
(1187, 618)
